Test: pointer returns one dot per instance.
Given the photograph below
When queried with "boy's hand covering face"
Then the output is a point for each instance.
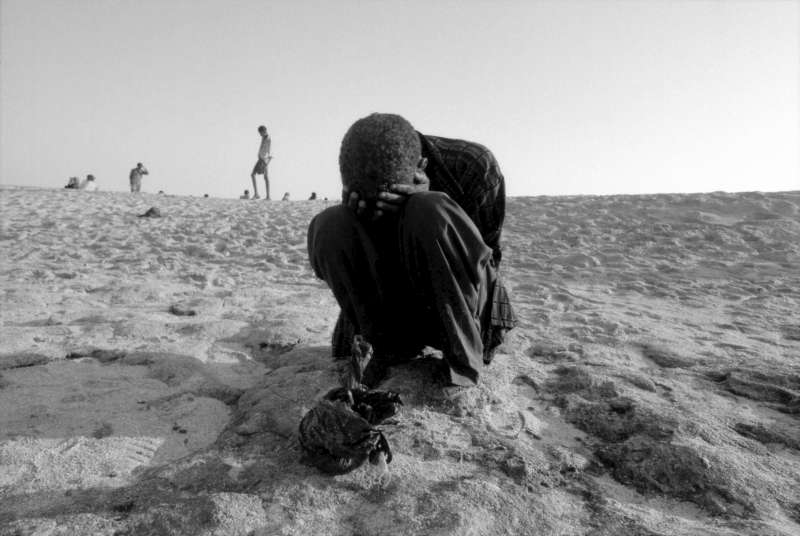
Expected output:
(391, 199)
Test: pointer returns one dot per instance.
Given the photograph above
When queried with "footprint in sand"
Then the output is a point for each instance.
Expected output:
(555, 353)
(526, 386)
(505, 422)
(30, 465)
(791, 332)
(766, 434)
(664, 357)
(779, 391)
(511, 420)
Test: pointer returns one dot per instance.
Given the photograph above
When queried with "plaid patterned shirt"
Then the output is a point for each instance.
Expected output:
(470, 175)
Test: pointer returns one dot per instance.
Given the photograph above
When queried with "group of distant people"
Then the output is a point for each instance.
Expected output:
(261, 167)
(90, 183)
(136, 174)
(286, 196)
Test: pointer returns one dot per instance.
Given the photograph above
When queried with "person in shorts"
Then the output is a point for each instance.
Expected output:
(264, 156)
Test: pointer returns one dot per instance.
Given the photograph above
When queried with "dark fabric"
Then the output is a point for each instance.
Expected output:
(496, 321)
(422, 279)
(470, 175)
(343, 333)
(260, 168)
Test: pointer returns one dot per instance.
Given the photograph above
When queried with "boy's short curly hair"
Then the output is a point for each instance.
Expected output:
(377, 151)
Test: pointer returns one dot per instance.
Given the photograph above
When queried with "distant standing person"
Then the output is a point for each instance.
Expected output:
(136, 177)
(264, 156)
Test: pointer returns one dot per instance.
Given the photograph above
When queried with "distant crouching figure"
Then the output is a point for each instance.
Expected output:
(90, 185)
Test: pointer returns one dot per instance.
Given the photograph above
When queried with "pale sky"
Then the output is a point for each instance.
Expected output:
(573, 97)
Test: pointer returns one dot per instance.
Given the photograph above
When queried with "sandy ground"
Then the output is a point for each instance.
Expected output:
(153, 372)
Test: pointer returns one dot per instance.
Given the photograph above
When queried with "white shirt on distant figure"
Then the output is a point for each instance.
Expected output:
(264, 149)
(90, 185)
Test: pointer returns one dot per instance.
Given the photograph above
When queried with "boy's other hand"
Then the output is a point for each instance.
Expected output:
(391, 201)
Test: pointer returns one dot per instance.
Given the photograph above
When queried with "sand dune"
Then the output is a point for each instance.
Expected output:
(153, 372)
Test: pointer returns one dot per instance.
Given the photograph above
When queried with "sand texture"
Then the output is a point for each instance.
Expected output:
(154, 370)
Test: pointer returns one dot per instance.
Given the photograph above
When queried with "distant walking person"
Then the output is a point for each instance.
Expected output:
(136, 177)
(264, 156)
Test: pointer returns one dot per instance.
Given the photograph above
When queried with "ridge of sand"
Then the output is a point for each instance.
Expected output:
(153, 372)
